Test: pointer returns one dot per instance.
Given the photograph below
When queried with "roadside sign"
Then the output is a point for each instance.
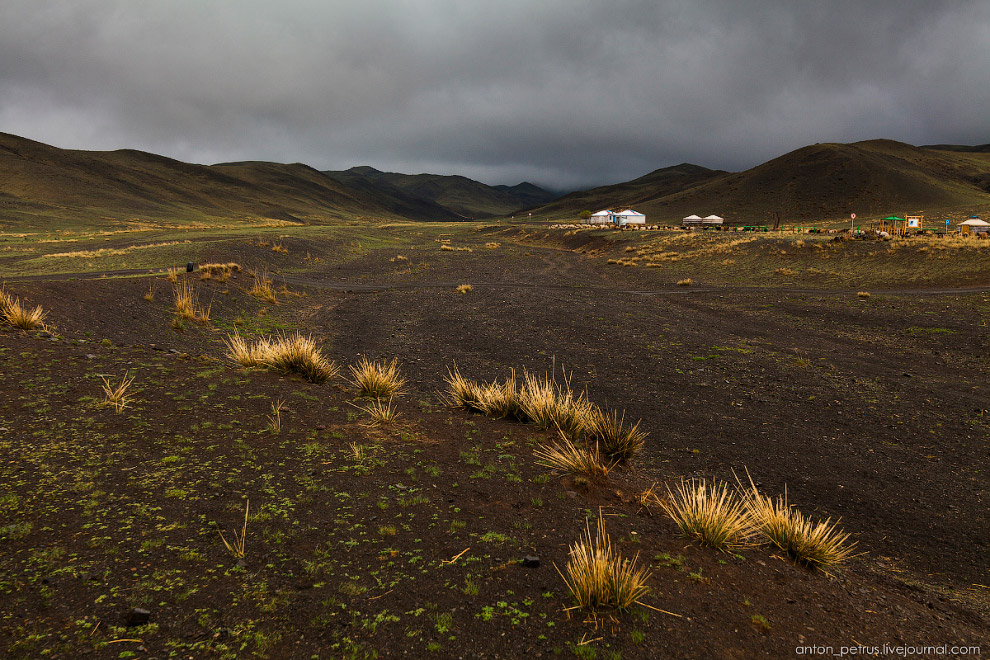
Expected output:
(853, 216)
(947, 221)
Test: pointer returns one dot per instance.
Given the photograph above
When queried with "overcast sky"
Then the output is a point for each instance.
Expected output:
(563, 93)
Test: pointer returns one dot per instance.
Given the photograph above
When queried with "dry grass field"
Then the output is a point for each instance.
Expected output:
(423, 446)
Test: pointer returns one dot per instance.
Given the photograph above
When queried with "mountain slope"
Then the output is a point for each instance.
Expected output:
(812, 183)
(39, 181)
(465, 198)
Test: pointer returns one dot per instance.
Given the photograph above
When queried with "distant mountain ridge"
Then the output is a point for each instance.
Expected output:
(465, 198)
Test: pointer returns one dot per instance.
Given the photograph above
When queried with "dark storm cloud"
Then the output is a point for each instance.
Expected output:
(562, 92)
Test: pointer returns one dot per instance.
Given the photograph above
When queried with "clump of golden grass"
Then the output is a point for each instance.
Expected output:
(492, 245)
(292, 353)
(464, 288)
(172, 275)
(187, 304)
(863, 294)
(299, 354)
(378, 380)
(118, 395)
(248, 354)
(221, 272)
(465, 249)
(12, 312)
(549, 404)
(501, 399)
(444, 246)
(275, 418)
(784, 271)
(278, 247)
(150, 296)
(711, 513)
(822, 545)
(263, 288)
(598, 577)
(570, 458)
(463, 392)
(380, 411)
(237, 548)
(399, 257)
(685, 282)
(617, 441)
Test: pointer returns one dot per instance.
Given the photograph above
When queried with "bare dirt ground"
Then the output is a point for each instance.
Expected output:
(869, 409)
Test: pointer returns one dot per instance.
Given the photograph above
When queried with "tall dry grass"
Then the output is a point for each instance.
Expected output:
(187, 303)
(597, 575)
(712, 513)
(294, 353)
(379, 380)
(567, 457)
(820, 544)
(18, 315)
(618, 441)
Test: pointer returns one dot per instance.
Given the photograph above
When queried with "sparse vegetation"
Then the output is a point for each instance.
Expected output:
(119, 395)
(20, 316)
(238, 547)
(464, 288)
(263, 289)
(381, 411)
(565, 456)
(187, 304)
(618, 442)
(293, 353)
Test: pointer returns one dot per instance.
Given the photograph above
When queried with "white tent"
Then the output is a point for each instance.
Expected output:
(600, 218)
(692, 218)
(629, 217)
(974, 226)
(713, 220)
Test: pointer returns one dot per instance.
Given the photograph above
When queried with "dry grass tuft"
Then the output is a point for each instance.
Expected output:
(444, 246)
(187, 303)
(118, 395)
(275, 418)
(380, 412)
(822, 545)
(300, 354)
(377, 379)
(247, 354)
(598, 577)
(618, 442)
(550, 404)
(570, 458)
(172, 275)
(263, 289)
(863, 294)
(237, 548)
(685, 282)
(501, 399)
(464, 288)
(711, 513)
(463, 392)
(492, 245)
(13, 313)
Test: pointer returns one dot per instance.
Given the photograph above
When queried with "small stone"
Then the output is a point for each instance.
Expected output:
(90, 356)
(531, 561)
(242, 563)
(571, 493)
(138, 616)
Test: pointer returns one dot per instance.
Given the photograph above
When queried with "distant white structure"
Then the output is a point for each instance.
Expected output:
(629, 217)
(712, 220)
(974, 226)
(691, 220)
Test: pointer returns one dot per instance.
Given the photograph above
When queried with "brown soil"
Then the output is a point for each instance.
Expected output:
(872, 410)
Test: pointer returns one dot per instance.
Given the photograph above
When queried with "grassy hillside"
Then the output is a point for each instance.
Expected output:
(39, 183)
(816, 182)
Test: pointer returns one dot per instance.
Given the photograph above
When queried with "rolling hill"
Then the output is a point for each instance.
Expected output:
(465, 198)
(810, 184)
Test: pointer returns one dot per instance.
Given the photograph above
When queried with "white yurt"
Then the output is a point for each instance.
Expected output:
(712, 220)
(974, 226)
(600, 218)
(629, 217)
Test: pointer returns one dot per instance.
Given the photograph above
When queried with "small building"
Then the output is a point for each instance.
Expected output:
(712, 220)
(601, 218)
(628, 217)
(974, 226)
(691, 221)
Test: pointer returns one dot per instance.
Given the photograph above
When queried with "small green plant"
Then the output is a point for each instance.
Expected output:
(760, 622)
